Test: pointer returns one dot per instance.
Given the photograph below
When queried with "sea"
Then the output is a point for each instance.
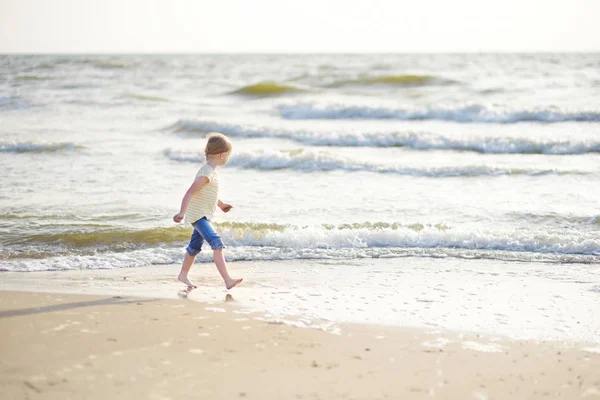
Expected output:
(459, 164)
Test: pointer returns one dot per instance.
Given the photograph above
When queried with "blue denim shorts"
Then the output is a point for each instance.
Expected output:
(203, 230)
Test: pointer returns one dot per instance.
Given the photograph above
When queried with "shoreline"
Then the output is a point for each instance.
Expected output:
(61, 345)
(488, 298)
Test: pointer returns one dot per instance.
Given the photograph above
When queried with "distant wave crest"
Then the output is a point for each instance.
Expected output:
(32, 77)
(408, 139)
(395, 80)
(267, 89)
(464, 114)
(274, 88)
(28, 147)
(306, 161)
(13, 103)
(144, 97)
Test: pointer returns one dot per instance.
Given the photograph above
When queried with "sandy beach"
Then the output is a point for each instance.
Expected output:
(67, 346)
(407, 225)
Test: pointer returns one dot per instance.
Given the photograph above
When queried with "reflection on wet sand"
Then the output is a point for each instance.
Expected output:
(185, 292)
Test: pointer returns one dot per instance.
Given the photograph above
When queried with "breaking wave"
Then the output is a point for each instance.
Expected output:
(254, 241)
(27, 147)
(465, 114)
(267, 89)
(396, 80)
(32, 78)
(408, 139)
(308, 161)
(144, 97)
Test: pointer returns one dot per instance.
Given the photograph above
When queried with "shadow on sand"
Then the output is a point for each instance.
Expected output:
(70, 306)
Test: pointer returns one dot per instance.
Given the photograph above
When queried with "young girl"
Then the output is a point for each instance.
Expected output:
(199, 205)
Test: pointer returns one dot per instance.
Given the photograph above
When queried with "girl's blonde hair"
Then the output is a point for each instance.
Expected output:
(217, 144)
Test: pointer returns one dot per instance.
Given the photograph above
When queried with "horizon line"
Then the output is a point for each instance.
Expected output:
(298, 52)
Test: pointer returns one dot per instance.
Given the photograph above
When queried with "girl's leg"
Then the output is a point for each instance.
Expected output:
(219, 260)
(191, 251)
(211, 237)
(188, 260)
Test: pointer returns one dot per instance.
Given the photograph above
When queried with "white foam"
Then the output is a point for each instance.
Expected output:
(309, 160)
(465, 113)
(99, 261)
(438, 343)
(595, 350)
(479, 396)
(28, 147)
(314, 242)
(482, 347)
(518, 300)
(591, 391)
(215, 309)
(428, 237)
(409, 139)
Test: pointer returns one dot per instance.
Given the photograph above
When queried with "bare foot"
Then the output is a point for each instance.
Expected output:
(232, 283)
(184, 279)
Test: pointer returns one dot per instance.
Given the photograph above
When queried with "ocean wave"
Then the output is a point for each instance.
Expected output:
(349, 235)
(99, 62)
(110, 64)
(395, 80)
(73, 217)
(465, 114)
(13, 103)
(143, 97)
(32, 78)
(407, 139)
(273, 88)
(249, 241)
(309, 161)
(159, 255)
(28, 147)
(112, 238)
(87, 238)
(267, 89)
(45, 66)
(556, 219)
(70, 261)
(364, 235)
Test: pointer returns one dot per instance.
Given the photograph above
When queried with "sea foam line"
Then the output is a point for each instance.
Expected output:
(28, 147)
(308, 161)
(318, 242)
(465, 114)
(408, 139)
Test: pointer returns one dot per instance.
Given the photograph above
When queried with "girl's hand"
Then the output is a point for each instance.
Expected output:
(225, 207)
(178, 217)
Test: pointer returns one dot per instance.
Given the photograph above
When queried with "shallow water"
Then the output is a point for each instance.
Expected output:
(343, 157)
(336, 156)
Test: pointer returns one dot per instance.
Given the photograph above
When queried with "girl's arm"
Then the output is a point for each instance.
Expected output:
(198, 183)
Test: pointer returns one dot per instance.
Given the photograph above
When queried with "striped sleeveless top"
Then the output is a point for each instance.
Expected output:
(204, 202)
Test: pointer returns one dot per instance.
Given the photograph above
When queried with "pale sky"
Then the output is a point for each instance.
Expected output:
(282, 26)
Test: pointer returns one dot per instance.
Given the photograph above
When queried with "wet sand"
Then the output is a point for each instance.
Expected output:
(524, 302)
(59, 346)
